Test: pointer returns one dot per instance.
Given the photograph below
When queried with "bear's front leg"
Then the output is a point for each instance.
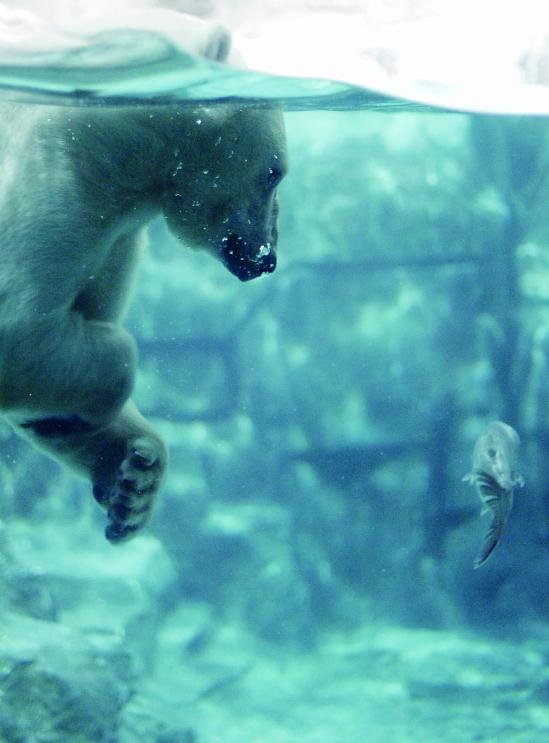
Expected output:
(57, 364)
(125, 461)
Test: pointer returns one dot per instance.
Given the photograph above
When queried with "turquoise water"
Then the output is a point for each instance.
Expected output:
(308, 574)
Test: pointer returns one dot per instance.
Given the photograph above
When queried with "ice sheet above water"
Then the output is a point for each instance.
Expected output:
(115, 60)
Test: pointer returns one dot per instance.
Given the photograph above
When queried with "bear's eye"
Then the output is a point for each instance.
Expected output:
(274, 177)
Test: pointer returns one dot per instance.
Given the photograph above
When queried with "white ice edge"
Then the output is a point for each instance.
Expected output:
(38, 58)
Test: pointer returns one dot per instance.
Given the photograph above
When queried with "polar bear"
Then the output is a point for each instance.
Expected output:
(77, 187)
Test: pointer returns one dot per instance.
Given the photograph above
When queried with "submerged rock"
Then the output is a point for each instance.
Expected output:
(57, 685)
(92, 588)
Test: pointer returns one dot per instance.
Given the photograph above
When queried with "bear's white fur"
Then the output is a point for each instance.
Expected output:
(77, 187)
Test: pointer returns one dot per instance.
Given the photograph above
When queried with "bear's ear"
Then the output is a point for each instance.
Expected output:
(217, 44)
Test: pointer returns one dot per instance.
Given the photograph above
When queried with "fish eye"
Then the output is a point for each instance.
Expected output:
(491, 452)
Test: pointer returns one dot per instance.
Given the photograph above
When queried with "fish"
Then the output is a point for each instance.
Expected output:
(494, 475)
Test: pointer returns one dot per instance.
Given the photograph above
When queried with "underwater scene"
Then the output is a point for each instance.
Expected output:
(274, 355)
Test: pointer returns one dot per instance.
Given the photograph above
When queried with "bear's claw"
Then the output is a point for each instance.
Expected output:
(129, 499)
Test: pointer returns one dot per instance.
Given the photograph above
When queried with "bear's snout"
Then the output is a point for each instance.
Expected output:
(245, 264)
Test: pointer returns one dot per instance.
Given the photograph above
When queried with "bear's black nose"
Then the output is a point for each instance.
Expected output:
(268, 263)
(237, 259)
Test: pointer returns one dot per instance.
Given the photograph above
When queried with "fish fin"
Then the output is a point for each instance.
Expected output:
(499, 505)
(469, 477)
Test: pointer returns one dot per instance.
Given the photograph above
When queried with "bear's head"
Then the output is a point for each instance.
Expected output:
(221, 194)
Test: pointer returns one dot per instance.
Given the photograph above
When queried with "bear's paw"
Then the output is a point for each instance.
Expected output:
(129, 497)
